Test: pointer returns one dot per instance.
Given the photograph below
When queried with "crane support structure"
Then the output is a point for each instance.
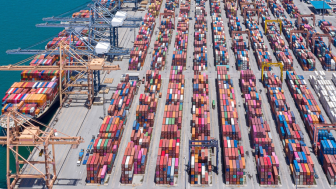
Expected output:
(279, 64)
(299, 18)
(204, 143)
(315, 35)
(256, 10)
(278, 20)
(89, 67)
(318, 127)
(168, 14)
(246, 3)
(247, 31)
(296, 31)
(24, 133)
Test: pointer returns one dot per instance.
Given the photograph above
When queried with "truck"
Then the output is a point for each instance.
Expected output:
(80, 157)
(213, 104)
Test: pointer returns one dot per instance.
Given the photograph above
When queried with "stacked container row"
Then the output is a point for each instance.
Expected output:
(169, 146)
(141, 43)
(161, 44)
(105, 149)
(241, 51)
(200, 39)
(221, 54)
(233, 151)
(322, 52)
(326, 92)
(310, 112)
(277, 43)
(289, 131)
(122, 99)
(136, 152)
(291, 8)
(262, 139)
(153, 82)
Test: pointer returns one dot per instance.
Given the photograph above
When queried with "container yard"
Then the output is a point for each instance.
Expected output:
(190, 105)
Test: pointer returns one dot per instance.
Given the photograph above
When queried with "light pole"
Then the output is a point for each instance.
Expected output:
(185, 174)
(323, 10)
(104, 102)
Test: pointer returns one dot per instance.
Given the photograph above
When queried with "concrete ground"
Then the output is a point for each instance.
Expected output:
(76, 120)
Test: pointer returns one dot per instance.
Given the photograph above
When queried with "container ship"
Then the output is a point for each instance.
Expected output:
(37, 92)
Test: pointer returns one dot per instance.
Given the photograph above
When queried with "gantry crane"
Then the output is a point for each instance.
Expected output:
(246, 3)
(88, 67)
(100, 20)
(277, 20)
(247, 31)
(297, 31)
(256, 10)
(318, 127)
(167, 14)
(22, 132)
(278, 64)
(299, 19)
(212, 143)
(315, 35)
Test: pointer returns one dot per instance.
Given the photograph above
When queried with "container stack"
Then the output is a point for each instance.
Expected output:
(200, 165)
(326, 92)
(291, 8)
(218, 35)
(277, 43)
(142, 41)
(304, 24)
(200, 129)
(81, 14)
(240, 48)
(304, 56)
(105, 149)
(233, 152)
(289, 131)
(323, 53)
(309, 110)
(135, 156)
(327, 152)
(230, 8)
(262, 139)
(234, 24)
(161, 44)
(153, 82)
(107, 3)
(154, 7)
(327, 27)
(43, 60)
(200, 40)
(122, 99)
(181, 39)
(98, 166)
(278, 11)
(257, 42)
(29, 96)
(169, 146)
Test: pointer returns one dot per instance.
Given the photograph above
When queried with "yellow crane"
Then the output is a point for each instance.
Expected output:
(278, 64)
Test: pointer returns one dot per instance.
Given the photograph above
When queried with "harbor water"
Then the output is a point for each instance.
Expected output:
(18, 30)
